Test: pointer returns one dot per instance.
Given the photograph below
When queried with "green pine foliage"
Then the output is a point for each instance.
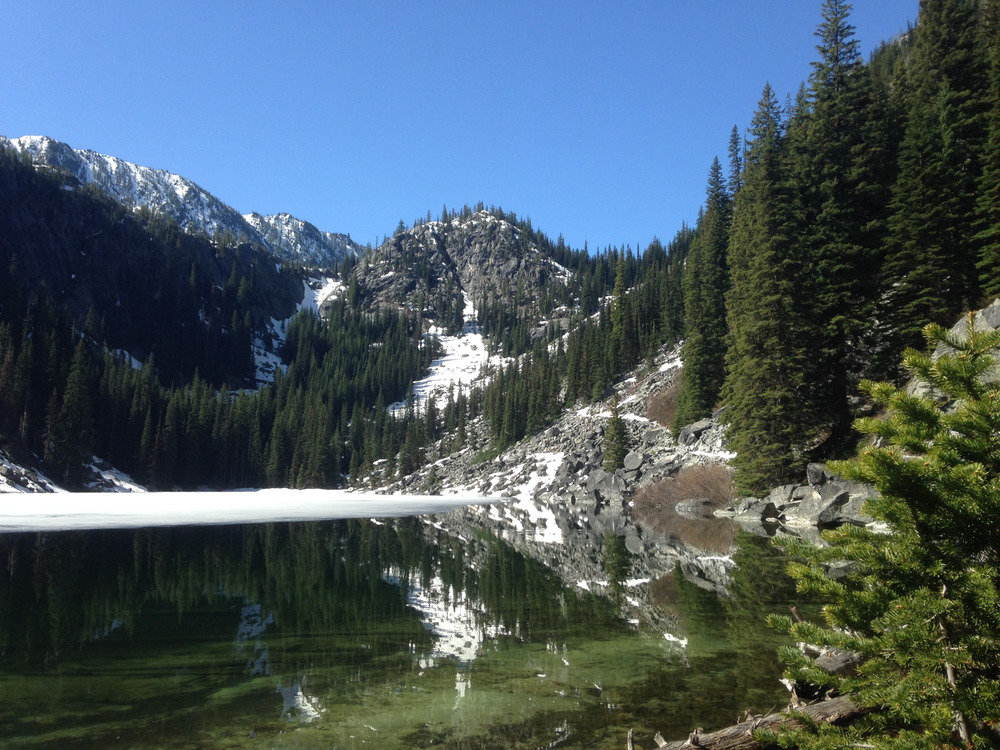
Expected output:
(922, 601)
(930, 273)
(615, 444)
(841, 185)
(988, 206)
(706, 281)
(766, 353)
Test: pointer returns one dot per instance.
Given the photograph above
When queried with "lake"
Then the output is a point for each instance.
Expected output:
(363, 633)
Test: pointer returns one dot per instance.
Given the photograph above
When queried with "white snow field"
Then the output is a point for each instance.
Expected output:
(462, 363)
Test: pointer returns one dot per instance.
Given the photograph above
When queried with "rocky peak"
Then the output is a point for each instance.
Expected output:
(482, 256)
(194, 208)
(290, 237)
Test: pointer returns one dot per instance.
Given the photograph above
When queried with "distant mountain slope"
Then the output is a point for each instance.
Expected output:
(289, 237)
(480, 256)
(194, 208)
(133, 280)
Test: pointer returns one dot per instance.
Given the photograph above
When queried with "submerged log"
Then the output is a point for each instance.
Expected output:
(740, 736)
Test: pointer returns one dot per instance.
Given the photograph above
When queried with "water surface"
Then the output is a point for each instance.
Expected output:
(350, 634)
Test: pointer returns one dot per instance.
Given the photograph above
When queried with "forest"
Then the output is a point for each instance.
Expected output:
(846, 219)
(849, 217)
(839, 225)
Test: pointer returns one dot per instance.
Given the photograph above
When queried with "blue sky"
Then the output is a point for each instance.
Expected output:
(598, 120)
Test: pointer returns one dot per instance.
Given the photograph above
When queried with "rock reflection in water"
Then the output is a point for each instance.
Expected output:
(342, 631)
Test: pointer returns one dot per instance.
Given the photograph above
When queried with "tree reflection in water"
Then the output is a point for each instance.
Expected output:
(347, 631)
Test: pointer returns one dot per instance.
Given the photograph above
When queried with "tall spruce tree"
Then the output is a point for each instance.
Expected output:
(71, 423)
(842, 197)
(706, 280)
(615, 442)
(930, 273)
(765, 356)
(988, 206)
(735, 179)
(921, 604)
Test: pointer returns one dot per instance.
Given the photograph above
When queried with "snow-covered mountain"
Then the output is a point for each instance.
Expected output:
(290, 237)
(193, 207)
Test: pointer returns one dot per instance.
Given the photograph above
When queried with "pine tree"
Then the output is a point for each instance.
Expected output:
(735, 179)
(988, 206)
(841, 197)
(617, 349)
(615, 443)
(930, 264)
(921, 604)
(71, 432)
(765, 356)
(706, 281)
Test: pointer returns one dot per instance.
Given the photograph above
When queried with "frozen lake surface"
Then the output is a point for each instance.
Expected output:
(63, 511)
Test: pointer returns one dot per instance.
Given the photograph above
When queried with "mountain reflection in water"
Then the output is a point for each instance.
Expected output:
(347, 633)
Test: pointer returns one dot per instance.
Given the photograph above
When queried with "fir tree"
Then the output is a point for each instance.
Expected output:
(765, 355)
(988, 206)
(615, 443)
(921, 604)
(930, 272)
(706, 281)
(841, 196)
(71, 427)
(735, 179)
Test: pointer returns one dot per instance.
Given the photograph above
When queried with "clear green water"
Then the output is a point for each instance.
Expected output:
(311, 636)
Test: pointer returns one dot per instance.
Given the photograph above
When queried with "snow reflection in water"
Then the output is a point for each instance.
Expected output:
(345, 633)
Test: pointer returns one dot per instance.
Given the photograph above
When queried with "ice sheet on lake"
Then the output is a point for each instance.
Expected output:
(95, 510)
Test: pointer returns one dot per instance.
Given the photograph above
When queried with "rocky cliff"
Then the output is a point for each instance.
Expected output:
(435, 266)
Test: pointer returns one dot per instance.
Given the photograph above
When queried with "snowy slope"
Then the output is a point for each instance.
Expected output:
(288, 236)
(194, 208)
(462, 364)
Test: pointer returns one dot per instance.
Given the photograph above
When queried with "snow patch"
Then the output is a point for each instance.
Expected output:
(464, 359)
(673, 363)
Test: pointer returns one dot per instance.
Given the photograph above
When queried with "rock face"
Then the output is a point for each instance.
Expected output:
(435, 266)
(823, 501)
(289, 237)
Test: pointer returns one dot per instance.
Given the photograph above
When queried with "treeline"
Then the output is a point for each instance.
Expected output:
(853, 217)
(185, 418)
(845, 220)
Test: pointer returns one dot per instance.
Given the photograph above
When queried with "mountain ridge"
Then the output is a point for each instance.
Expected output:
(483, 256)
(194, 208)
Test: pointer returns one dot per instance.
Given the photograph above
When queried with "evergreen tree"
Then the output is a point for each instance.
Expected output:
(765, 356)
(735, 179)
(706, 281)
(921, 604)
(615, 444)
(988, 206)
(930, 265)
(71, 426)
(619, 317)
(842, 196)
